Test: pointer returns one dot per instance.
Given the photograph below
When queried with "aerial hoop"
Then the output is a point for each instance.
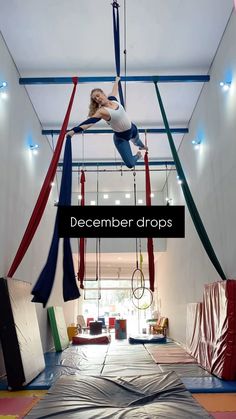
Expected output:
(142, 283)
(143, 289)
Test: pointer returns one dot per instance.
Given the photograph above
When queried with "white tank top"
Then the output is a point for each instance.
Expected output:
(119, 121)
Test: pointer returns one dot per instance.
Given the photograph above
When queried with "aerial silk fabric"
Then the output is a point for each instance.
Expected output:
(44, 193)
(116, 34)
(188, 196)
(151, 264)
(81, 271)
(44, 284)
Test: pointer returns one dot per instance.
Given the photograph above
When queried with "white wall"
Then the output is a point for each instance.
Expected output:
(211, 174)
(22, 175)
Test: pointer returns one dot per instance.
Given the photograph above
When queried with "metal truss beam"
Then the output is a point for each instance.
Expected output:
(109, 131)
(103, 79)
(118, 163)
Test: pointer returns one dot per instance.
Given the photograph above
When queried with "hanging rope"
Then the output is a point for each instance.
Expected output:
(151, 264)
(188, 196)
(44, 193)
(116, 34)
(81, 271)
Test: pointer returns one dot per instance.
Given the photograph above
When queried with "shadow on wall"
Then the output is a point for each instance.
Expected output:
(2, 366)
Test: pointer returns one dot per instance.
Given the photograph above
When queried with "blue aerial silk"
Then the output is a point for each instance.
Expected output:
(116, 35)
(44, 284)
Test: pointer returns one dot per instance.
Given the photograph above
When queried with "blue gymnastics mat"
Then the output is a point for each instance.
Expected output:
(141, 339)
(54, 370)
(44, 380)
(208, 385)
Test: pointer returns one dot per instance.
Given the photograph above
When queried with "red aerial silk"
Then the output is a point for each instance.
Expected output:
(82, 239)
(151, 264)
(44, 193)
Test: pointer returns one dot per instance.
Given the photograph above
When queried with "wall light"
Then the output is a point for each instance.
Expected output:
(127, 195)
(34, 148)
(168, 201)
(105, 196)
(196, 143)
(117, 202)
(3, 84)
(225, 85)
(179, 181)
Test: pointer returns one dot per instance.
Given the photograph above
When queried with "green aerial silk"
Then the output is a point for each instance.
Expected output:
(188, 196)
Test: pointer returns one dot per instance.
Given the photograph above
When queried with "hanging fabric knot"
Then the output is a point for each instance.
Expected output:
(75, 80)
(82, 177)
(115, 4)
(81, 285)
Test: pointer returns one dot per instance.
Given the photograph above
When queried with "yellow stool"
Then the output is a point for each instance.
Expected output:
(72, 331)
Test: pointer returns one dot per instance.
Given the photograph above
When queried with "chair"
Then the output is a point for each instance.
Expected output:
(89, 319)
(111, 322)
(102, 319)
(81, 323)
(160, 326)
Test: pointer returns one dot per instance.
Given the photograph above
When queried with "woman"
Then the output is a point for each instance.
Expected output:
(110, 110)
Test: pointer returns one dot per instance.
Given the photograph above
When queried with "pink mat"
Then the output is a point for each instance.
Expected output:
(17, 406)
(167, 351)
(173, 359)
(224, 415)
(91, 339)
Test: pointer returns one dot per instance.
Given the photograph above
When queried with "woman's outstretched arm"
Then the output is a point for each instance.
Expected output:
(115, 87)
(86, 124)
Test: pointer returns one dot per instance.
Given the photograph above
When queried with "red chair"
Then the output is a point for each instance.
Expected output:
(89, 319)
(111, 322)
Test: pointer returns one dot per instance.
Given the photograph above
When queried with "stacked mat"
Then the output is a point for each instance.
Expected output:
(211, 326)
(19, 333)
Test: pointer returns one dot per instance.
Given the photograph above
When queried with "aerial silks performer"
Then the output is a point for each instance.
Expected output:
(110, 110)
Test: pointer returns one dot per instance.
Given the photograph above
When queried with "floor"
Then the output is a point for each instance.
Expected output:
(121, 358)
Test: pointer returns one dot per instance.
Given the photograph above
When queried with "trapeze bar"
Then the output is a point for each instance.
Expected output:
(109, 131)
(119, 163)
(103, 79)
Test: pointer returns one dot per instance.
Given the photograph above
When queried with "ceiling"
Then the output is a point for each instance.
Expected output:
(75, 38)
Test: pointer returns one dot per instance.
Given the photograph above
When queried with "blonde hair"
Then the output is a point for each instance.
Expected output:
(93, 106)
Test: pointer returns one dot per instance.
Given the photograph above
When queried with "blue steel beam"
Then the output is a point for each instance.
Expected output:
(117, 163)
(109, 131)
(98, 79)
